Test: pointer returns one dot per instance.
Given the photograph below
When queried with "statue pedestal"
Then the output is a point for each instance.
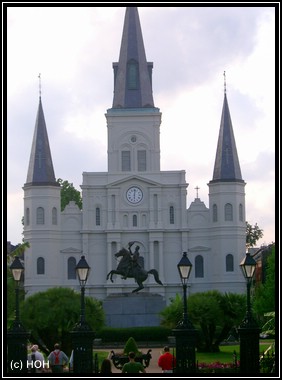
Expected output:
(133, 309)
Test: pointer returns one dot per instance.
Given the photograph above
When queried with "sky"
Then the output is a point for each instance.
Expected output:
(73, 48)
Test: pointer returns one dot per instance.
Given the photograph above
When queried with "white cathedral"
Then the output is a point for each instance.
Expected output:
(135, 201)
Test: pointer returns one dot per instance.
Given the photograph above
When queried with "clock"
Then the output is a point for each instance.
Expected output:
(134, 195)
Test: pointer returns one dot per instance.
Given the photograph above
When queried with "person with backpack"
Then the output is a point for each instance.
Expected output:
(57, 359)
(35, 360)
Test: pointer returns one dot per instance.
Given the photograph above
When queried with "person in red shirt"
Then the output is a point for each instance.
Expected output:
(166, 361)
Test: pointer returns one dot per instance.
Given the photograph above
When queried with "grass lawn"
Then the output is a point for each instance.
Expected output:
(226, 353)
(101, 356)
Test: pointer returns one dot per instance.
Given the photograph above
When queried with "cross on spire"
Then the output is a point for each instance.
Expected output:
(224, 82)
(197, 193)
(39, 76)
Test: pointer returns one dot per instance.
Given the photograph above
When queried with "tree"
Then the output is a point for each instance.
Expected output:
(69, 193)
(172, 313)
(253, 234)
(213, 314)
(264, 298)
(51, 315)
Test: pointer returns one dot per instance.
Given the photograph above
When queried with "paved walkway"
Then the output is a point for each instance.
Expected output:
(153, 367)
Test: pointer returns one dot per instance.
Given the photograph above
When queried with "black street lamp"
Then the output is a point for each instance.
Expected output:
(249, 330)
(185, 334)
(17, 336)
(82, 334)
(82, 270)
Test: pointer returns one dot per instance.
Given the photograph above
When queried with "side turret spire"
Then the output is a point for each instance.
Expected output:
(132, 74)
(40, 170)
(226, 167)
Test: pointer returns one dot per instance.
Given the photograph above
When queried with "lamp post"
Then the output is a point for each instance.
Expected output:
(249, 330)
(82, 335)
(17, 335)
(185, 334)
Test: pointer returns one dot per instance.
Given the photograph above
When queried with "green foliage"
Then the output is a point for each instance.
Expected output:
(173, 313)
(213, 314)
(69, 193)
(264, 299)
(131, 346)
(18, 251)
(140, 334)
(52, 314)
(269, 327)
(253, 234)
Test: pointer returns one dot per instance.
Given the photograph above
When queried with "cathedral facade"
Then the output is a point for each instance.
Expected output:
(134, 201)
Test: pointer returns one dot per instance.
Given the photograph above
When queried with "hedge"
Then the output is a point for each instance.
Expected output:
(142, 334)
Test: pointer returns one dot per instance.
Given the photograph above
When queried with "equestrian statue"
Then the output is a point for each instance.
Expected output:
(132, 266)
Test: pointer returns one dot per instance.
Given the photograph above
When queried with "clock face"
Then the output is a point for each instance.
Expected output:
(134, 195)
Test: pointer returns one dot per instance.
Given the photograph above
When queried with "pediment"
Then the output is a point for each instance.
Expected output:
(134, 178)
(199, 248)
(70, 250)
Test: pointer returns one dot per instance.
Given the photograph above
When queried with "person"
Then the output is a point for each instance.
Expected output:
(134, 260)
(71, 362)
(35, 356)
(106, 366)
(57, 359)
(166, 361)
(132, 366)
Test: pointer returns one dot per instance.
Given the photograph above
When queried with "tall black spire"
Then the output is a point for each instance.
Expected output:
(40, 170)
(226, 167)
(132, 74)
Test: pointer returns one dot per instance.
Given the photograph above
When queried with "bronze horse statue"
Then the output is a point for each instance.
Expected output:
(127, 267)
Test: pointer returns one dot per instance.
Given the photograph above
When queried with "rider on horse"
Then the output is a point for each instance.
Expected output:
(134, 260)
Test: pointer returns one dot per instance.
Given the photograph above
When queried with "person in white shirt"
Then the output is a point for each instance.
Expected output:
(35, 360)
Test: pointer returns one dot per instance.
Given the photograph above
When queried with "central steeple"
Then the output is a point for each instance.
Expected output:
(132, 74)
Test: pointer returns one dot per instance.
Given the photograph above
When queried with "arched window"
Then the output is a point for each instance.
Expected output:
(98, 216)
(199, 266)
(134, 220)
(144, 220)
(125, 161)
(125, 221)
(54, 216)
(240, 212)
(40, 265)
(228, 212)
(171, 215)
(71, 268)
(141, 160)
(229, 263)
(214, 213)
(40, 215)
(27, 216)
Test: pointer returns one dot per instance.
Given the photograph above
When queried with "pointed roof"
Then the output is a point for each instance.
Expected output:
(226, 167)
(40, 170)
(132, 74)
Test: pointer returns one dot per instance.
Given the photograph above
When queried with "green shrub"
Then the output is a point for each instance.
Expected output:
(131, 346)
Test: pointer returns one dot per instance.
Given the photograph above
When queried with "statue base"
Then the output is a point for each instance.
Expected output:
(133, 309)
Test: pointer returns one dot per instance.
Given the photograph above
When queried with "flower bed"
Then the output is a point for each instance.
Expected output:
(218, 367)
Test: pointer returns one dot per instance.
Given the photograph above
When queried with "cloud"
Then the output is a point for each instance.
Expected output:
(73, 48)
